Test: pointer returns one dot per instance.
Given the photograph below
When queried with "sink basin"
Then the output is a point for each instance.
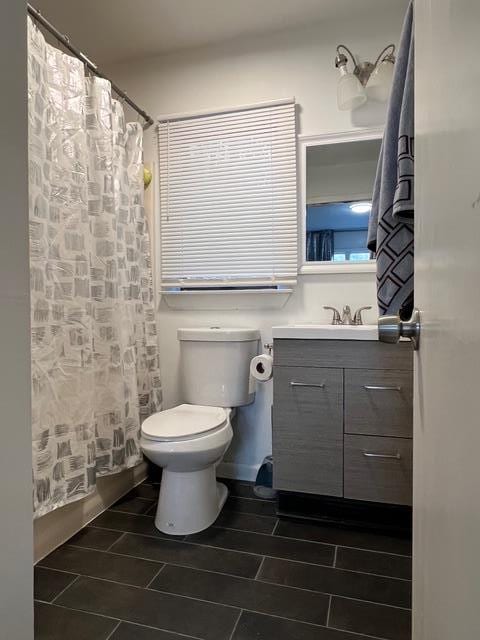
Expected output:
(326, 331)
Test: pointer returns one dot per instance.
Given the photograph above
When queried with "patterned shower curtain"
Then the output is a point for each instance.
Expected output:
(95, 369)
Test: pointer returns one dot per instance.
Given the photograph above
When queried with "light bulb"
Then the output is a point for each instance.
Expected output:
(380, 82)
(350, 92)
(361, 207)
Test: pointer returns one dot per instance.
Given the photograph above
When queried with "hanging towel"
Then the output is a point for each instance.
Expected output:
(390, 233)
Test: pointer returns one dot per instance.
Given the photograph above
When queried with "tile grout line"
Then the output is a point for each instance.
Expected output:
(275, 527)
(182, 635)
(222, 573)
(230, 575)
(134, 586)
(328, 610)
(232, 606)
(179, 538)
(65, 588)
(130, 513)
(151, 509)
(335, 557)
(273, 615)
(247, 553)
(259, 569)
(263, 500)
(236, 625)
(110, 545)
(92, 577)
(156, 576)
(137, 624)
(314, 542)
(110, 635)
(346, 546)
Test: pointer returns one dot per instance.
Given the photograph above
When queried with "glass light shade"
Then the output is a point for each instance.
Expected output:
(380, 82)
(350, 92)
(361, 207)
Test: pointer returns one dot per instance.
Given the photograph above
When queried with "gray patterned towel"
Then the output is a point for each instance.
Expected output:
(390, 233)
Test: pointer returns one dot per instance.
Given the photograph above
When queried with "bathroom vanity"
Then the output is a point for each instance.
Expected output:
(342, 414)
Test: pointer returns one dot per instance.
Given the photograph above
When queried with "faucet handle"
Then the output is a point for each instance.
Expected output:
(357, 318)
(336, 315)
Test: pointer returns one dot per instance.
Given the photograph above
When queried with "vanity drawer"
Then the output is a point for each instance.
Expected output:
(379, 402)
(378, 469)
(308, 430)
(349, 354)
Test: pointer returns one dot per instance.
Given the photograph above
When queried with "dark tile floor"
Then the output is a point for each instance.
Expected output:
(249, 577)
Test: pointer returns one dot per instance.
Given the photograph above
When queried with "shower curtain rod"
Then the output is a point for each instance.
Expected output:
(65, 40)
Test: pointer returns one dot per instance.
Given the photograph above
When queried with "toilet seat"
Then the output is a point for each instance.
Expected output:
(184, 422)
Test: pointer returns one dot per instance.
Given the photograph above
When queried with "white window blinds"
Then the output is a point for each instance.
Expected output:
(228, 198)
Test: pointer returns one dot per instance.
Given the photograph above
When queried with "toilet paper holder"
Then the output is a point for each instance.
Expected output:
(268, 346)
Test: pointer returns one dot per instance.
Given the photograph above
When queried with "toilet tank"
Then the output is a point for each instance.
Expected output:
(215, 365)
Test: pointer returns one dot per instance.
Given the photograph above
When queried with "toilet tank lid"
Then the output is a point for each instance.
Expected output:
(218, 334)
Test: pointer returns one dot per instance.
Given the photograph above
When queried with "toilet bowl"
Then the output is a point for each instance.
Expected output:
(190, 440)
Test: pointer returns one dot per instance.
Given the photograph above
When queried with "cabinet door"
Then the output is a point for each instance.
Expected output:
(378, 469)
(308, 430)
(379, 402)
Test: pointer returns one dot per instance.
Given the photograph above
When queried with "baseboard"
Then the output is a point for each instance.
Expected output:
(55, 528)
(238, 471)
(380, 517)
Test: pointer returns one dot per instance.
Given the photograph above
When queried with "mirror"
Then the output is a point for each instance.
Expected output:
(338, 185)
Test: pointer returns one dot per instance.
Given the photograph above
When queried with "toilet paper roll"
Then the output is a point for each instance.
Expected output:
(261, 367)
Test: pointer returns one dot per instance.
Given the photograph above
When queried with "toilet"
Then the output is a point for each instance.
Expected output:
(190, 440)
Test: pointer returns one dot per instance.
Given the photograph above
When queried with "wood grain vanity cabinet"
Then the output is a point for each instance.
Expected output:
(342, 419)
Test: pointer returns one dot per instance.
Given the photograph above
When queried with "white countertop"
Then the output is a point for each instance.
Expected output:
(326, 331)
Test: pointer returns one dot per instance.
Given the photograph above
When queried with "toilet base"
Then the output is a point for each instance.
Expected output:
(189, 502)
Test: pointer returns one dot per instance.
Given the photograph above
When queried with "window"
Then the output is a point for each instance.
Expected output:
(228, 201)
(360, 257)
(353, 256)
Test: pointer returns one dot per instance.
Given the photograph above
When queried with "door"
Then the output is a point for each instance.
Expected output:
(446, 601)
(16, 527)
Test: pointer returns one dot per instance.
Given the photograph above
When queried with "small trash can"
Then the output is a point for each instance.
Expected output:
(264, 483)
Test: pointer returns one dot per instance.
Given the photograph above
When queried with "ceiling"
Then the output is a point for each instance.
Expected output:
(110, 31)
(335, 215)
(345, 153)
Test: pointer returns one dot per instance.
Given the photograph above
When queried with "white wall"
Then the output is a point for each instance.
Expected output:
(16, 547)
(339, 181)
(296, 63)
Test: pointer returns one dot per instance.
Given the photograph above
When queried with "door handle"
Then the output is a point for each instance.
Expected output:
(307, 384)
(394, 456)
(371, 387)
(391, 329)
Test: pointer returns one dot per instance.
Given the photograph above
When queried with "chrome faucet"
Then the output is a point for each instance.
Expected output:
(346, 317)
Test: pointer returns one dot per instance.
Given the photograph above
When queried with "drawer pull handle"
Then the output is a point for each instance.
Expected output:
(370, 387)
(307, 384)
(392, 456)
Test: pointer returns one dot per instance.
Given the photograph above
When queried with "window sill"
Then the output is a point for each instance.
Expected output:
(237, 299)
(324, 268)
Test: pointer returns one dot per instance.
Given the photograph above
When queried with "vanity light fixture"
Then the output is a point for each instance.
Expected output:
(361, 207)
(368, 80)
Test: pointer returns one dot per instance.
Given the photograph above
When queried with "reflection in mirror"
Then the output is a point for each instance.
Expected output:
(338, 231)
(339, 186)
